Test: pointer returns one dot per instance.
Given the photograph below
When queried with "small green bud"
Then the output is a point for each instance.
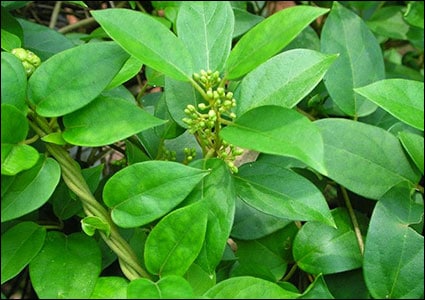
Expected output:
(202, 106)
(203, 73)
(232, 115)
(29, 68)
(220, 91)
(196, 76)
(210, 94)
(229, 95)
(20, 53)
(191, 108)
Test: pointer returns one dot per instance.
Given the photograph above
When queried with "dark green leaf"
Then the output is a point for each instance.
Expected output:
(394, 253)
(414, 15)
(137, 194)
(345, 33)
(206, 28)
(244, 20)
(354, 157)
(388, 22)
(66, 267)
(175, 242)
(20, 244)
(317, 290)
(106, 120)
(148, 40)
(263, 41)
(277, 130)
(66, 92)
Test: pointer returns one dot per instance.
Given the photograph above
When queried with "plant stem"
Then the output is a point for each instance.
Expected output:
(353, 219)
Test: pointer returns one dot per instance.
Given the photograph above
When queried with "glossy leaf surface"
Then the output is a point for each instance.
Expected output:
(168, 287)
(56, 88)
(148, 190)
(148, 40)
(414, 145)
(13, 81)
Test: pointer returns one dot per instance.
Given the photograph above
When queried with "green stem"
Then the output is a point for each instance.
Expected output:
(353, 219)
(199, 89)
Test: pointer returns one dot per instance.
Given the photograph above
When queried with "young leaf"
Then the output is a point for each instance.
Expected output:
(414, 145)
(247, 287)
(264, 40)
(106, 120)
(20, 244)
(137, 195)
(16, 158)
(283, 80)
(206, 28)
(280, 192)
(30, 189)
(402, 98)
(345, 33)
(66, 267)
(332, 250)
(148, 40)
(175, 242)
(58, 86)
(394, 252)
(277, 130)
(168, 287)
(354, 157)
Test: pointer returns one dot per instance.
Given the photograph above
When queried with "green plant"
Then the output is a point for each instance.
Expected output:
(332, 206)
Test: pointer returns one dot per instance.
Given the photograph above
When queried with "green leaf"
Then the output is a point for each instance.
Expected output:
(29, 190)
(348, 285)
(67, 267)
(280, 192)
(168, 287)
(106, 120)
(402, 98)
(11, 30)
(414, 145)
(414, 15)
(110, 287)
(13, 82)
(388, 22)
(332, 250)
(199, 279)
(91, 223)
(244, 20)
(9, 41)
(54, 138)
(14, 125)
(67, 90)
(277, 130)
(130, 69)
(394, 253)
(16, 158)
(148, 40)
(283, 80)
(20, 244)
(206, 28)
(345, 33)
(317, 290)
(218, 194)
(137, 194)
(354, 157)
(175, 242)
(247, 287)
(263, 41)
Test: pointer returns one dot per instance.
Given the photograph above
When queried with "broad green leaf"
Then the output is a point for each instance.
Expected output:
(354, 157)
(11, 30)
(130, 69)
(16, 158)
(54, 138)
(283, 80)
(14, 125)
(106, 120)
(402, 98)
(42, 40)
(175, 242)
(388, 22)
(13, 82)
(206, 28)
(145, 191)
(244, 20)
(199, 279)
(218, 194)
(332, 250)
(348, 285)
(177, 96)
(80, 75)
(247, 287)
(9, 41)
(277, 130)
(65, 203)
(30, 189)
(20, 244)
(280, 192)
(148, 40)
(317, 290)
(414, 145)
(250, 223)
(264, 40)
(265, 258)
(394, 252)
(168, 287)
(110, 287)
(414, 15)
(345, 33)
(67, 267)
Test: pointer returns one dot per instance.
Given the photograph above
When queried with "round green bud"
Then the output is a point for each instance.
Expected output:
(20, 53)
(202, 106)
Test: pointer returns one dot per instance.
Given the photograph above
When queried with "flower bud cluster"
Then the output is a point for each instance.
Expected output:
(29, 60)
(189, 155)
(207, 79)
(167, 154)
